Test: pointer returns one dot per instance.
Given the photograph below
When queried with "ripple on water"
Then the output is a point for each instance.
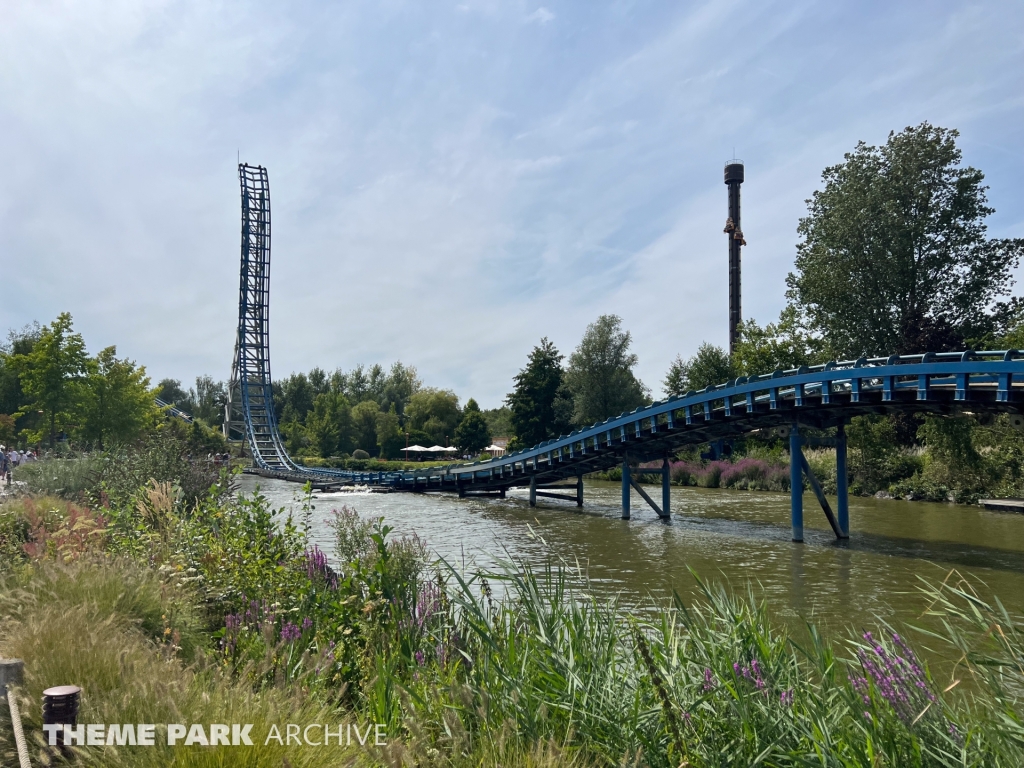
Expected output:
(739, 536)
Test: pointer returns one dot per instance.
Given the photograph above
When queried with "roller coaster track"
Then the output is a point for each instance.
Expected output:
(819, 397)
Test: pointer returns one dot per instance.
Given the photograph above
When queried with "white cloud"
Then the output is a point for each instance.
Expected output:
(541, 16)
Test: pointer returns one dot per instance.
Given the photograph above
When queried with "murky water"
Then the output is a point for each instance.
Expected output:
(739, 536)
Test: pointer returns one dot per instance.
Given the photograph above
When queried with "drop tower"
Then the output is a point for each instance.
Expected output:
(733, 180)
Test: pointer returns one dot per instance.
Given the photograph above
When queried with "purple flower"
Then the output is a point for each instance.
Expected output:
(786, 698)
(898, 680)
(318, 570)
(306, 623)
(290, 632)
(709, 679)
(419, 658)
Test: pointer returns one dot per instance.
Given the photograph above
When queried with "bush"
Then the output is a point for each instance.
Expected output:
(359, 453)
(69, 478)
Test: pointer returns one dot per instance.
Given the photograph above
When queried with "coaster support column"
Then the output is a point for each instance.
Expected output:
(843, 502)
(625, 488)
(666, 492)
(796, 483)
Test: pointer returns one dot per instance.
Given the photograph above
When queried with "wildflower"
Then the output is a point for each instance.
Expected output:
(786, 698)
(709, 680)
(290, 632)
(306, 623)
(419, 658)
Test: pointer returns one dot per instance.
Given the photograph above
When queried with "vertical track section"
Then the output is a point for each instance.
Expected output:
(250, 406)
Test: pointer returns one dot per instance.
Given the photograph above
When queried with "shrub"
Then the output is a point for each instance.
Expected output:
(359, 453)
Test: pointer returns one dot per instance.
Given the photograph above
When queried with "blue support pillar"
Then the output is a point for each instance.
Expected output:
(666, 493)
(625, 488)
(843, 503)
(796, 483)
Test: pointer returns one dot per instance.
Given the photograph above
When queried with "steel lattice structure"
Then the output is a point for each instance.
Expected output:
(250, 406)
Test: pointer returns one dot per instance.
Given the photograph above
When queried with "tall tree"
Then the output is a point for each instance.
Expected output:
(710, 366)
(208, 399)
(434, 411)
(390, 438)
(540, 405)
(364, 425)
(894, 255)
(600, 373)
(472, 435)
(329, 424)
(170, 391)
(53, 377)
(119, 405)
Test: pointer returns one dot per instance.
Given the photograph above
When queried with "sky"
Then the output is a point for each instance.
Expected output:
(450, 182)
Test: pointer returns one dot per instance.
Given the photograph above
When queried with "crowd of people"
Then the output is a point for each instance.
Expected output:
(11, 459)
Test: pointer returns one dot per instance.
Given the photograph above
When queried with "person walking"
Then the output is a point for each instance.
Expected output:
(5, 466)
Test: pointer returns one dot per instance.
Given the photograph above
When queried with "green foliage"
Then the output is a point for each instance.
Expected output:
(600, 374)
(473, 434)
(894, 256)
(710, 366)
(540, 405)
(329, 425)
(876, 459)
(66, 476)
(364, 425)
(360, 454)
(434, 411)
(53, 378)
(499, 421)
(781, 345)
(119, 404)
(390, 437)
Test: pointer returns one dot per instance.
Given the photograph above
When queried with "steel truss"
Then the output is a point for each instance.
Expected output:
(250, 407)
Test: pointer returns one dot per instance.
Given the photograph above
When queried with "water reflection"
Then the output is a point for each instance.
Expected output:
(740, 536)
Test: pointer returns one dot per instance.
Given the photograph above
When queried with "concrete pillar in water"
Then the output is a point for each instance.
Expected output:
(843, 503)
(796, 484)
(625, 488)
(579, 490)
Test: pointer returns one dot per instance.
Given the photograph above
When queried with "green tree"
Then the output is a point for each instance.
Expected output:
(600, 373)
(208, 399)
(434, 411)
(894, 257)
(19, 343)
(364, 425)
(119, 404)
(473, 434)
(540, 405)
(170, 391)
(710, 366)
(329, 424)
(53, 378)
(390, 437)
(782, 344)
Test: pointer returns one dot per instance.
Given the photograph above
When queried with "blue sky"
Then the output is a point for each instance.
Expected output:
(453, 181)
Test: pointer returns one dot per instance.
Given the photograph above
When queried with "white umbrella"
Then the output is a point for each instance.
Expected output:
(436, 448)
(450, 448)
(416, 448)
(494, 448)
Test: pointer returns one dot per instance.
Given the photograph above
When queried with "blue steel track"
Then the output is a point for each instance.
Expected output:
(819, 397)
